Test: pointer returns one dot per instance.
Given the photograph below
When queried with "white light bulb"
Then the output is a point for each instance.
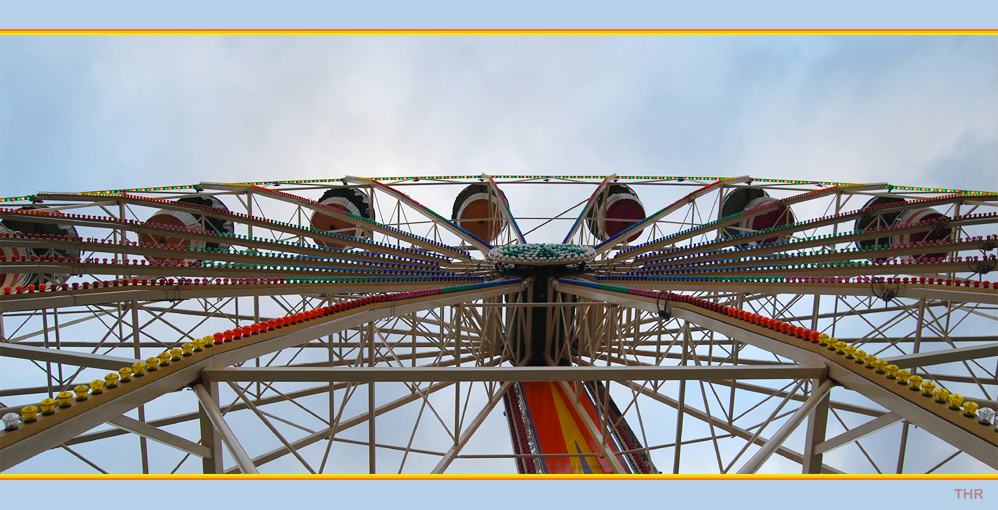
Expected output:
(11, 421)
(986, 415)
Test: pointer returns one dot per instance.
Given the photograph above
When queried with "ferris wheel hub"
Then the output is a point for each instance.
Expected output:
(542, 254)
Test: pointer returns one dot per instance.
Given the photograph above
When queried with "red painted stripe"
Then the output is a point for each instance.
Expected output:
(547, 425)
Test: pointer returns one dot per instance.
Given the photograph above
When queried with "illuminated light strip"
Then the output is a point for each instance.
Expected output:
(775, 273)
(229, 271)
(922, 282)
(654, 259)
(257, 264)
(135, 225)
(339, 259)
(728, 258)
(161, 288)
(727, 220)
(659, 257)
(803, 225)
(138, 224)
(965, 290)
(628, 177)
(159, 282)
(594, 177)
(705, 250)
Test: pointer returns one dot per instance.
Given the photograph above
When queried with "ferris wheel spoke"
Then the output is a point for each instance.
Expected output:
(712, 251)
(731, 221)
(585, 210)
(613, 241)
(504, 209)
(334, 239)
(448, 225)
(161, 260)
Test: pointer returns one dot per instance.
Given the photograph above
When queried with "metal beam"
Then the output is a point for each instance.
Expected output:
(436, 219)
(927, 358)
(585, 209)
(82, 417)
(185, 417)
(841, 406)
(526, 373)
(468, 432)
(77, 359)
(856, 433)
(817, 426)
(949, 427)
(273, 429)
(160, 436)
(228, 437)
(721, 424)
(346, 424)
(209, 438)
(504, 208)
(325, 326)
(752, 465)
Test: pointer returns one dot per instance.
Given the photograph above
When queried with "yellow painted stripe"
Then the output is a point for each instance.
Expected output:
(572, 434)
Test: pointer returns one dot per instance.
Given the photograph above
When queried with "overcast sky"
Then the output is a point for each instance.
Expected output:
(103, 112)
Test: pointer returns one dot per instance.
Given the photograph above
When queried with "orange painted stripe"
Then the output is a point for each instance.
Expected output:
(547, 425)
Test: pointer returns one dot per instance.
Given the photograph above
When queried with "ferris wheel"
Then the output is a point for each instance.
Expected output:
(489, 324)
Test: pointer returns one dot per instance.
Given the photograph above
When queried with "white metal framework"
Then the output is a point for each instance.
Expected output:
(393, 353)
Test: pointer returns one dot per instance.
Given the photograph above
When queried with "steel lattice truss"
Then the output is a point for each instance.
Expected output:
(394, 353)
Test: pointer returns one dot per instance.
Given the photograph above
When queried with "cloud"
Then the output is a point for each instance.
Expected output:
(887, 110)
(107, 112)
